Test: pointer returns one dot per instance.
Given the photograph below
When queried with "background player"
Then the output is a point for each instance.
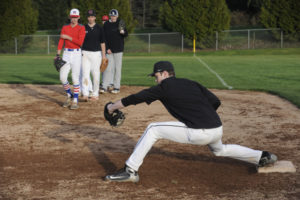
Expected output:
(93, 49)
(198, 122)
(105, 18)
(115, 47)
(72, 36)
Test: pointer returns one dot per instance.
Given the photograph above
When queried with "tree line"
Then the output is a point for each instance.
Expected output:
(193, 18)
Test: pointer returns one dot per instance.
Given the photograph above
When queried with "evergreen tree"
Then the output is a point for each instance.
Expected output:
(52, 14)
(199, 18)
(18, 17)
(284, 15)
(146, 12)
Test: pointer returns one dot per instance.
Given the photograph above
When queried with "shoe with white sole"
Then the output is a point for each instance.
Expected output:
(126, 174)
(102, 91)
(115, 91)
(74, 106)
(67, 103)
(267, 158)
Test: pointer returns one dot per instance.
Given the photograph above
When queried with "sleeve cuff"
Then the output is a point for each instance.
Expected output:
(125, 102)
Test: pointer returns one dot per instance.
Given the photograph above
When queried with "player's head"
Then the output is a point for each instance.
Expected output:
(105, 18)
(91, 15)
(113, 14)
(74, 16)
(162, 70)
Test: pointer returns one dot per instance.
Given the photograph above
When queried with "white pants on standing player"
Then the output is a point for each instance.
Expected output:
(73, 59)
(113, 71)
(178, 132)
(91, 61)
(90, 82)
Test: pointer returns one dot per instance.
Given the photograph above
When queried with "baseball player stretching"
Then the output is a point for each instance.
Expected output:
(72, 35)
(91, 55)
(198, 123)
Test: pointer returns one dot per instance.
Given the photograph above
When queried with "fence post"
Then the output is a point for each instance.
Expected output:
(248, 38)
(16, 46)
(217, 38)
(182, 43)
(149, 42)
(281, 39)
(253, 43)
(48, 43)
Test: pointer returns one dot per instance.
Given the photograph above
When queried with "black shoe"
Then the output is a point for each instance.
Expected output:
(266, 159)
(124, 175)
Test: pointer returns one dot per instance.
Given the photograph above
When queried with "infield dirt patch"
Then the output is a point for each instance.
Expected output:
(50, 152)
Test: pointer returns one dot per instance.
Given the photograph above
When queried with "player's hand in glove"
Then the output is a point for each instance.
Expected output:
(116, 118)
(104, 64)
(58, 62)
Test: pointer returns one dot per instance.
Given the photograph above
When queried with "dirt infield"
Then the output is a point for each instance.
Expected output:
(49, 152)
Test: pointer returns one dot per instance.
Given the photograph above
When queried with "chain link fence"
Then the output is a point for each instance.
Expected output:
(165, 42)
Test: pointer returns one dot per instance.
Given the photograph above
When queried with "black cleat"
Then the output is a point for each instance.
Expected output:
(267, 158)
(124, 175)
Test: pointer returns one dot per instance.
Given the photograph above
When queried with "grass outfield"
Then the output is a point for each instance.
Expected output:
(276, 71)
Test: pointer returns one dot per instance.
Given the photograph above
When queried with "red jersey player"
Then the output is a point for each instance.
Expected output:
(72, 36)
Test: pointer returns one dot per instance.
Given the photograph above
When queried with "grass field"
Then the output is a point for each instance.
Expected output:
(275, 70)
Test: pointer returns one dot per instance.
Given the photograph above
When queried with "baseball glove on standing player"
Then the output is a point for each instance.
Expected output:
(122, 25)
(59, 62)
(116, 118)
(104, 64)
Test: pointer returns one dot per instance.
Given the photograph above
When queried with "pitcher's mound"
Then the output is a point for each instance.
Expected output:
(281, 166)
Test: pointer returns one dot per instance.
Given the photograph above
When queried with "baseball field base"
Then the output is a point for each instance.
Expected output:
(282, 166)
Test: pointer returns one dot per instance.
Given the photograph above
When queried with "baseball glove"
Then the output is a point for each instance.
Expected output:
(122, 25)
(59, 62)
(104, 64)
(116, 118)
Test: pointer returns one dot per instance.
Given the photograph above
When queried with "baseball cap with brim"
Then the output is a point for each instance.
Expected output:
(114, 12)
(74, 13)
(91, 12)
(162, 66)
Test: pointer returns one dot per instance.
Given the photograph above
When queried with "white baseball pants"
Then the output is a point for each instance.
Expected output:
(179, 132)
(113, 70)
(73, 59)
(91, 61)
(90, 82)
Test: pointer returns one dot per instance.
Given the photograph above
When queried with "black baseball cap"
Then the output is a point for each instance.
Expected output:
(91, 12)
(162, 66)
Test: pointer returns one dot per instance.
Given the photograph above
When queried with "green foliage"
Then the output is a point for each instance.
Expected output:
(52, 14)
(282, 14)
(201, 18)
(102, 7)
(18, 17)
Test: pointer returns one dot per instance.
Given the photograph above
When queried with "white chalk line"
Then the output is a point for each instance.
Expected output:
(215, 73)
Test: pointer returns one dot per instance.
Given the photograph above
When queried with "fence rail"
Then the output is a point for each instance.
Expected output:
(165, 42)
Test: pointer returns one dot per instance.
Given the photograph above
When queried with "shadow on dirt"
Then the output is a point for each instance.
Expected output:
(108, 141)
(25, 90)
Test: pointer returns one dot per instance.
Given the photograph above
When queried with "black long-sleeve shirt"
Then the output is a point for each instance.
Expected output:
(186, 100)
(114, 40)
(93, 38)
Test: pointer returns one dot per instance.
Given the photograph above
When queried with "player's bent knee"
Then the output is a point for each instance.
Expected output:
(217, 151)
(151, 131)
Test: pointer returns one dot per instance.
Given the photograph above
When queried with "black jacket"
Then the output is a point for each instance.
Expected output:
(114, 40)
(186, 100)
